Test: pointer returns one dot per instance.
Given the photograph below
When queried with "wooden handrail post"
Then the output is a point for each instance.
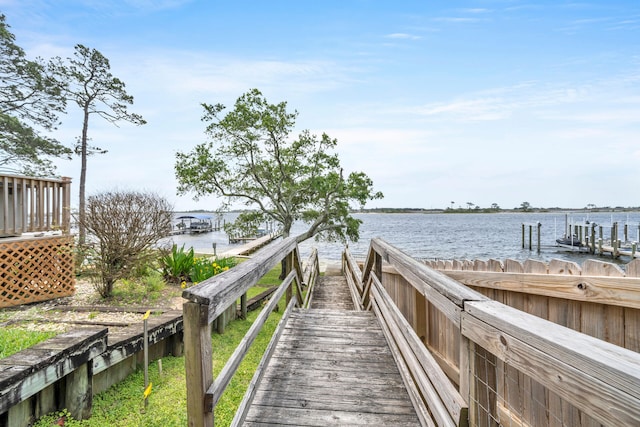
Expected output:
(289, 263)
(377, 266)
(66, 205)
(243, 306)
(198, 363)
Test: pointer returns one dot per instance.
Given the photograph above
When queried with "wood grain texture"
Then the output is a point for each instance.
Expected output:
(331, 367)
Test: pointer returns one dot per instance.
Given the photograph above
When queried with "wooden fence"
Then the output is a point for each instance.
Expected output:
(598, 298)
(513, 368)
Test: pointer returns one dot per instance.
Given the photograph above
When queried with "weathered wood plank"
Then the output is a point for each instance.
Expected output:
(424, 370)
(27, 372)
(220, 291)
(260, 370)
(349, 401)
(222, 380)
(620, 291)
(422, 277)
(326, 417)
(319, 352)
(332, 292)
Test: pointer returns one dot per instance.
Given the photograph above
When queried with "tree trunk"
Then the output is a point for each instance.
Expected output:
(83, 179)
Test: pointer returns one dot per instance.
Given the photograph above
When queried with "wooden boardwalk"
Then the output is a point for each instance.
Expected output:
(331, 367)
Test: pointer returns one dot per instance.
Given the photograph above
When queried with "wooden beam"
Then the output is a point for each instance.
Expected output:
(620, 291)
(222, 290)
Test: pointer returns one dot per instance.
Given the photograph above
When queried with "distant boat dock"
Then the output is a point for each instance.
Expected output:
(195, 224)
(615, 239)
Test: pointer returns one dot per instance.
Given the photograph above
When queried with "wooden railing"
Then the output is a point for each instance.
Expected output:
(508, 367)
(597, 298)
(209, 299)
(310, 275)
(31, 204)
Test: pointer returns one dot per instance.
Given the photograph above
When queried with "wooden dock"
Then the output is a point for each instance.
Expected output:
(423, 348)
(250, 246)
(332, 367)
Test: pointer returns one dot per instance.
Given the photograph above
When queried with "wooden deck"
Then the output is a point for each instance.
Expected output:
(332, 367)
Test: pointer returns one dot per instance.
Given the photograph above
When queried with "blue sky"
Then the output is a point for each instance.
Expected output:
(437, 101)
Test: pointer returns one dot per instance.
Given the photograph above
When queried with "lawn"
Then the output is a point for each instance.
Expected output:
(123, 405)
(15, 339)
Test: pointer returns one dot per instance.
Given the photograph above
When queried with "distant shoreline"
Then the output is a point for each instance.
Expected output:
(465, 210)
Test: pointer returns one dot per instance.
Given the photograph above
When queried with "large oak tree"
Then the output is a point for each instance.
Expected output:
(252, 157)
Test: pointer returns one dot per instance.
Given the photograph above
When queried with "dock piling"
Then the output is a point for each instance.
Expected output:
(538, 226)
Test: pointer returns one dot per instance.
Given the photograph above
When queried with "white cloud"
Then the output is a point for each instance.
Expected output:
(403, 36)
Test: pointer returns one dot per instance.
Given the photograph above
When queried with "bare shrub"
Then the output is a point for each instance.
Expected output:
(122, 228)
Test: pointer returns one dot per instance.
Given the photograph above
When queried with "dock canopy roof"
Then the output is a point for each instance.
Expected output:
(201, 217)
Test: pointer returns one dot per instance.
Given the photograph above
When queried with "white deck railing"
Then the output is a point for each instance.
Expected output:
(30, 204)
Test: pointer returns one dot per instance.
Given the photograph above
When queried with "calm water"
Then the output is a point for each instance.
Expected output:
(450, 236)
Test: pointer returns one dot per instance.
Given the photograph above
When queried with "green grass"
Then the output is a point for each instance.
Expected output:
(148, 289)
(13, 340)
(122, 404)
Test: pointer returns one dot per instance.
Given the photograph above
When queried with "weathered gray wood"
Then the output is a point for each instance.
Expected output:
(443, 400)
(311, 275)
(249, 395)
(198, 363)
(353, 270)
(26, 373)
(332, 292)
(354, 280)
(255, 302)
(222, 380)
(78, 397)
(415, 389)
(446, 294)
(414, 269)
(334, 349)
(599, 378)
(220, 291)
(128, 341)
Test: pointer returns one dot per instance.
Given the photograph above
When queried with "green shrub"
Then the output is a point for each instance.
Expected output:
(203, 268)
(177, 265)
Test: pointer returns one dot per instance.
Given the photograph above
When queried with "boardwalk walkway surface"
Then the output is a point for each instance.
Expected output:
(332, 366)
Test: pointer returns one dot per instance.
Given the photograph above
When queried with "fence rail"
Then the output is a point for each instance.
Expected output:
(510, 367)
(598, 298)
(211, 298)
